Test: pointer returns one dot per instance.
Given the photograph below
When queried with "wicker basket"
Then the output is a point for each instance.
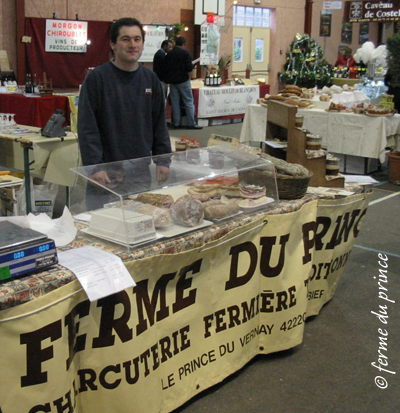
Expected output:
(289, 187)
(292, 187)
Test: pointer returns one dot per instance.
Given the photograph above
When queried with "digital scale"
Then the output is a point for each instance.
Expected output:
(23, 251)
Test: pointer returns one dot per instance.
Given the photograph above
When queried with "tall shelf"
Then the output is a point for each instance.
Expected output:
(281, 124)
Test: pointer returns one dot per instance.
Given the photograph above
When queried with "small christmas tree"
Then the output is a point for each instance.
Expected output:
(174, 31)
(306, 65)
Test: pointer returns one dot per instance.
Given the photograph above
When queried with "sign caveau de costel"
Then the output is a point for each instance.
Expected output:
(371, 11)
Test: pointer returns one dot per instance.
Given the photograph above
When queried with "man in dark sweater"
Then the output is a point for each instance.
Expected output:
(121, 113)
(158, 63)
(177, 66)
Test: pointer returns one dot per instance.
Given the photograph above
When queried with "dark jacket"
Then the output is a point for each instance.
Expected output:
(177, 66)
(393, 90)
(121, 115)
(158, 63)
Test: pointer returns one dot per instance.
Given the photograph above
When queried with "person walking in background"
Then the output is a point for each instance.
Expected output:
(158, 63)
(177, 66)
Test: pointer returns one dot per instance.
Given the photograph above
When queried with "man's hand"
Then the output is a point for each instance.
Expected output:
(162, 173)
(101, 177)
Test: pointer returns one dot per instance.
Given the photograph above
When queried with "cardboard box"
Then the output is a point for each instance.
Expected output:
(202, 122)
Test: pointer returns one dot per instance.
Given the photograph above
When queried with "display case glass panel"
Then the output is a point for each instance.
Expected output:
(139, 200)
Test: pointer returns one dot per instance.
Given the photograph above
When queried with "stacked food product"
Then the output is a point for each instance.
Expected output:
(313, 141)
(291, 95)
(378, 110)
(332, 165)
(205, 201)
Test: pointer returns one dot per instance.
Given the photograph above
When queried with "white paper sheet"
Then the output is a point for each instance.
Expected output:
(360, 179)
(83, 217)
(99, 272)
(275, 144)
(62, 230)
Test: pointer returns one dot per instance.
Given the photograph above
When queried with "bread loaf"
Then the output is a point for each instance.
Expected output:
(293, 87)
(159, 200)
(304, 103)
(292, 102)
(276, 97)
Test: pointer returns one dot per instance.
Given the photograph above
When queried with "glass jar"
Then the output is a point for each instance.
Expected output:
(313, 142)
(216, 159)
(299, 120)
(193, 153)
(180, 150)
(332, 165)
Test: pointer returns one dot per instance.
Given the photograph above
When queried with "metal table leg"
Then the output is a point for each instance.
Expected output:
(27, 179)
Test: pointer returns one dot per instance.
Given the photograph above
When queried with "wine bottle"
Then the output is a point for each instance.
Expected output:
(207, 81)
(34, 85)
(28, 84)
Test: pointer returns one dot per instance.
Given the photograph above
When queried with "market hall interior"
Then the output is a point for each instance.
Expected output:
(332, 370)
(286, 19)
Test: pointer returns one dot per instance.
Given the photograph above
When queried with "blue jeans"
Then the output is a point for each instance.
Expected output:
(182, 91)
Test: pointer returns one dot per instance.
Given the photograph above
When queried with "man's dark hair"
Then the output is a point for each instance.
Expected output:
(180, 41)
(165, 43)
(125, 21)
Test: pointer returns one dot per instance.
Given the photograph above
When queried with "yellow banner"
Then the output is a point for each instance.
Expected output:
(329, 245)
(192, 319)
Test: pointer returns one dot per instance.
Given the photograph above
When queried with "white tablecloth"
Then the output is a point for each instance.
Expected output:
(226, 100)
(51, 157)
(345, 133)
(350, 99)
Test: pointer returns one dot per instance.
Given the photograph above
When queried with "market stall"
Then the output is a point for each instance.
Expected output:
(343, 133)
(194, 318)
(206, 301)
(36, 110)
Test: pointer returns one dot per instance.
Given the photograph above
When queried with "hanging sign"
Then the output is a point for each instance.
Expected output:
(368, 11)
(66, 36)
(210, 41)
(155, 35)
(332, 5)
(325, 23)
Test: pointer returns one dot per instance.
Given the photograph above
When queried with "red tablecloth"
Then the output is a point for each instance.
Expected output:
(33, 111)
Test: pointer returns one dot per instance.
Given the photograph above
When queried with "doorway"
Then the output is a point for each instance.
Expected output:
(251, 46)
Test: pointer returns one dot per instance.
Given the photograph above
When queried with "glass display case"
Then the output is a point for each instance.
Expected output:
(374, 88)
(140, 200)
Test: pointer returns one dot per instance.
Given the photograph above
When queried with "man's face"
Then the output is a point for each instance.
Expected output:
(128, 48)
(168, 47)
